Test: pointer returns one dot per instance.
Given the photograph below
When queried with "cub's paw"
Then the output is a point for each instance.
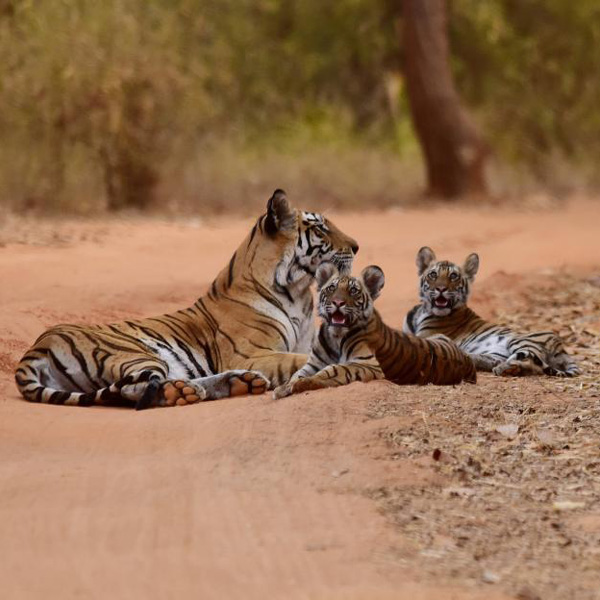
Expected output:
(508, 369)
(304, 384)
(247, 382)
(282, 391)
(180, 393)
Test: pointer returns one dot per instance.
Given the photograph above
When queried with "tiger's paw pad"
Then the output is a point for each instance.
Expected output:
(248, 382)
(180, 393)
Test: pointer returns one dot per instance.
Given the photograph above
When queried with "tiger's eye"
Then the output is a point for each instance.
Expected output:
(453, 276)
(432, 275)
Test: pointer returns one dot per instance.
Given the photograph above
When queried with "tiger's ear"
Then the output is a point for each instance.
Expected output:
(325, 272)
(471, 265)
(425, 256)
(280, 215)
(374, 280)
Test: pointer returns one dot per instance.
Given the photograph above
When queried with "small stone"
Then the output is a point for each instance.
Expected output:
(490, 577)
(567, 505)
(339, 473)
(526, 593)
(509, 431)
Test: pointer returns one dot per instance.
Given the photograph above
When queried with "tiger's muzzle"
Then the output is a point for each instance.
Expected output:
(343, 261)
(442, 302)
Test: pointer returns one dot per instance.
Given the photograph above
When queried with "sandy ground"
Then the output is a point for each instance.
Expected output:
(247, 498)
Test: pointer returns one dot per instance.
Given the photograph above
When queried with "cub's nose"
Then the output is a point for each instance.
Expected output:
(354, 247)
(338, 303)
(441, 290)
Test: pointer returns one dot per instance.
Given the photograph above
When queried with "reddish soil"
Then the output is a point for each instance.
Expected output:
(326, 495)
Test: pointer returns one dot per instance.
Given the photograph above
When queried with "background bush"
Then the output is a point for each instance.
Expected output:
(205, 104)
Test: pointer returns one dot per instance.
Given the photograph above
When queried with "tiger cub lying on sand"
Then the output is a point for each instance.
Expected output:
(354, 344)
(444, 289)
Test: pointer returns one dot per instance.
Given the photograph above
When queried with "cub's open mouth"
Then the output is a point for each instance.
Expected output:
(338, 318)
(441, 302)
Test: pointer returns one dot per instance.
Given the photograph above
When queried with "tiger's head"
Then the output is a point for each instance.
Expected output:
(346, 302)
(444, 286)
(304, 240)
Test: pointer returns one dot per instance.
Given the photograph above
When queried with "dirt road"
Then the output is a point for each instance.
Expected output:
(243, 498)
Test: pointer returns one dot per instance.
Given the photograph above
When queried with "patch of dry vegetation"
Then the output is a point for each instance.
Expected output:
(519, 458)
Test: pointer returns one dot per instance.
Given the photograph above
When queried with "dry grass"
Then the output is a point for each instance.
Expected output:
(229, 180)
(519, 458)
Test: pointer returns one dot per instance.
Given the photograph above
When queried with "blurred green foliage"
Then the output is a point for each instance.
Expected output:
(130, 103)
(531, 69)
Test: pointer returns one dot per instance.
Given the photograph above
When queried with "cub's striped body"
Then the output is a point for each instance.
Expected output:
(444, 289)
(250, 330)
(354, 344)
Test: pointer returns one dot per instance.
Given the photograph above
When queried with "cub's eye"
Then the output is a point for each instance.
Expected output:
(453, 276)
(432, 275)
(330, 288)
(354, 291)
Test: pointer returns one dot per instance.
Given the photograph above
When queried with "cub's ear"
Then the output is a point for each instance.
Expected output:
(374, 280)
(280, 215)
(471, 266)
(425, 256)
(325, 272)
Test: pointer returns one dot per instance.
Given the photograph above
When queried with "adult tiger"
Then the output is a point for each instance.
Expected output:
(252, 328)
(444, 289)
(354, 344)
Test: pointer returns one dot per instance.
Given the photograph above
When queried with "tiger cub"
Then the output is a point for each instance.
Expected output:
(354, 344)
(444, 290)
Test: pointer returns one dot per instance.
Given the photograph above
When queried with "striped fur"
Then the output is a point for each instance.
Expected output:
(444, 288)
(354, 344)
(250, 330)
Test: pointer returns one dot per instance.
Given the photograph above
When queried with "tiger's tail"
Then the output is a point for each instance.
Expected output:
(29, 382)
(449, 364)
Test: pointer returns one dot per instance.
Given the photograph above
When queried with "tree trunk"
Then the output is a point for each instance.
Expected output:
(454, 152)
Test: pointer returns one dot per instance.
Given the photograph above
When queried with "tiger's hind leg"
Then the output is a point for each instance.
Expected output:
(237, 382)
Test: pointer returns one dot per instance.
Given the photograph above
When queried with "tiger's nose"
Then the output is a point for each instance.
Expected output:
(441, 290)
(338, 303)
(354, 247)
